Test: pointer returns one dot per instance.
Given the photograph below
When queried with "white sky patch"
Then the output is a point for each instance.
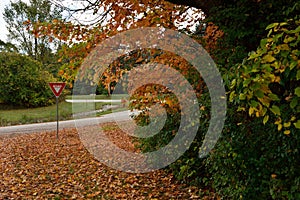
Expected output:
(192, 19)
(83, 18)
(193, 16)
(3, 30)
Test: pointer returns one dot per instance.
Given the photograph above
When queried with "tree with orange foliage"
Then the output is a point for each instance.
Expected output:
(113, 17)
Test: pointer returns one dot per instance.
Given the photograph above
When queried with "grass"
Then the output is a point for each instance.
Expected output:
(32, 115)
(15, 116)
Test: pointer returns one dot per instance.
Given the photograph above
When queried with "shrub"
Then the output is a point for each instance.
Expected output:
(258, 156)
(23, 81)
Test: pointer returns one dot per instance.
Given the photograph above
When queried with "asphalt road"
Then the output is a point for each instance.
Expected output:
(50, 126)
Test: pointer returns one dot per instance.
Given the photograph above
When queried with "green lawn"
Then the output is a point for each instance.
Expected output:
(32, 115)
(12, 116)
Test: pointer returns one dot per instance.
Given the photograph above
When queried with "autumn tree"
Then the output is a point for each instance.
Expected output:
(242, 21)
(16, 14)
(113, 17)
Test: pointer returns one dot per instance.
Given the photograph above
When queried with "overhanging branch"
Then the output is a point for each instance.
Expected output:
(204, 5)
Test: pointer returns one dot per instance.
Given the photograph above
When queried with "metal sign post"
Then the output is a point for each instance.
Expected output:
(57, 118)
(57, 89)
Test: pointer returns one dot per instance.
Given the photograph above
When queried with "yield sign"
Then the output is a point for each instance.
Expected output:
(57, 88)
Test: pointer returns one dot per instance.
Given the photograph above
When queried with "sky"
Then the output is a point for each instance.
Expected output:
(4, 3)
(3, 30)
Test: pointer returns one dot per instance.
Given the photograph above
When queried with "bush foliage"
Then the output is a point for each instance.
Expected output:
(267, 84)
(258, 154)
(23, 81)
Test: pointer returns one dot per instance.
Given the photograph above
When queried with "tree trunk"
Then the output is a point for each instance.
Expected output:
(35, 48)
(108, 89)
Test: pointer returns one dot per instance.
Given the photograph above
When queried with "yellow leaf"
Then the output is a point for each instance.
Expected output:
(241, 109)
(242, 96)
(279, 127)
(268, 58)
(265, 101)
(283, 47)
(231, 96)
(277, 79)
(233, 83)
(257, 114)
(266, 118)
(287, 132)
(278, 121)
(287, 124)
(251, 111)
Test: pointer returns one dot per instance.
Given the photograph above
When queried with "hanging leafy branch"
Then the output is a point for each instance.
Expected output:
(267, 83)
(115, 16)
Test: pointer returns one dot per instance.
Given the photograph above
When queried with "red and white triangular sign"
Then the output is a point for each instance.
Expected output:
(57, 88)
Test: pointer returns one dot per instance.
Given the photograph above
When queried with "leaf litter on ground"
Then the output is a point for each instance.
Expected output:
(38, 166)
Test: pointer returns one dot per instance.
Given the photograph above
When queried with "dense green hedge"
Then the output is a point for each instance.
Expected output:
(23, 81)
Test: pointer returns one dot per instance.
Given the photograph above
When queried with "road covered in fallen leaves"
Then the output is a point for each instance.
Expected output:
(38, 166)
